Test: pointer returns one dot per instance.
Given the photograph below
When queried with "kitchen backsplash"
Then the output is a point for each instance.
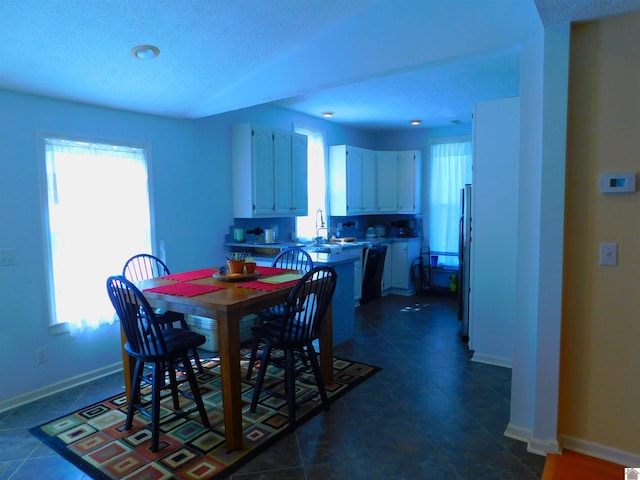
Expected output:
(356, 226)
(394, 225)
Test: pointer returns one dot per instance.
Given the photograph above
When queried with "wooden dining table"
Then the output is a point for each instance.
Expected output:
(227, 306)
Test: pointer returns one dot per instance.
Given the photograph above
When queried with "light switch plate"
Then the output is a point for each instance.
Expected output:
(609, 254)
(622, 182)
(7, 256)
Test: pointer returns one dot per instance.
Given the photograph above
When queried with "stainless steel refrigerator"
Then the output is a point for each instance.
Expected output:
(464, 258)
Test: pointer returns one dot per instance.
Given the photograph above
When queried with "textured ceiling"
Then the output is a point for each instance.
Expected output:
(561, 11)
(376, 63)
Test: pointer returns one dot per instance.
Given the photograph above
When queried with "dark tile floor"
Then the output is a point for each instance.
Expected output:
(429, 414)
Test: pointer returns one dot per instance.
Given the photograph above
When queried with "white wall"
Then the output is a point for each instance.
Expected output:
(494, 246)
(184, 169)
(191, 187)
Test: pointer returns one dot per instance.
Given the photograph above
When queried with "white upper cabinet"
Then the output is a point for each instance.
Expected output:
(269, 172)
(369, 176)
(352, 180)
(388, 182)
(409, 175)
(299, 182)
(365, 182)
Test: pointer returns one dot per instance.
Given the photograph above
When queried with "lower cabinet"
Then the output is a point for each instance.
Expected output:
(386, 272)
(403, 252)
(357, 282)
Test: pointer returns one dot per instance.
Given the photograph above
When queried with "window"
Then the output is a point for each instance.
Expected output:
(316, 182)
(97, 216)
(450, 171)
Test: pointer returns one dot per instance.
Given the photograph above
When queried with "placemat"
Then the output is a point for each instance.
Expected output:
(258, 285)
(282, 278)
(184, 289)
(192, 275)
(267, 271)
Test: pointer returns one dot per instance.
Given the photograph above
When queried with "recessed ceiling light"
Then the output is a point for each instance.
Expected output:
(145, 52)
(415, 122)
(327, 114)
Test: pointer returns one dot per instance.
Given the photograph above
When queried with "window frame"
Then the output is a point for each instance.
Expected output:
(428, 178)
(311, 213)
(56, 327)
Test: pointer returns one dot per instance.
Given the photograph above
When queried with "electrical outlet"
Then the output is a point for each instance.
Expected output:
(41, 354)
(7, 256)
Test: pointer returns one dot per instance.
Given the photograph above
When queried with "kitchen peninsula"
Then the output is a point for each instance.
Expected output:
(343, 263)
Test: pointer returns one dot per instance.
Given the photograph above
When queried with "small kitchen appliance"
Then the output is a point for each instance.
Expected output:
(370, 234)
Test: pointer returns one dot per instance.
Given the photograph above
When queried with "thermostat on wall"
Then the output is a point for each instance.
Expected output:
(622, 182)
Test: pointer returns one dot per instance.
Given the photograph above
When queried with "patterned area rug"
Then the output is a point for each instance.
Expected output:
(94, 439)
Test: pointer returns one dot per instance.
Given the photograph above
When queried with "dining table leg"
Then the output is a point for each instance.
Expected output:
(229, 345)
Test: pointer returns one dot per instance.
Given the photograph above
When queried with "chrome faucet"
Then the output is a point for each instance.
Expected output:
(321, 226)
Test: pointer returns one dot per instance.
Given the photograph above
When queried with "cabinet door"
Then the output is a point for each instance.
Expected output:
(354, 181)
(282, 173)
(262, 171)
(400, 265)
(369, 181)
(386, 273)
(299, 185)
(357, 280)
(387, 182)
(406, 193)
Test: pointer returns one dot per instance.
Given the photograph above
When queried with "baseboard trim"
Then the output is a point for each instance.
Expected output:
(401, 291)
(544, 446)
(492, 360)
(603, 452)
(534, 445)
(518, 433)
(59, 386)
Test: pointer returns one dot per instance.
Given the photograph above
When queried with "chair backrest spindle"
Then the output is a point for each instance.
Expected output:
(294, 259)
(307, 304)
(143, 332)
(144, 266)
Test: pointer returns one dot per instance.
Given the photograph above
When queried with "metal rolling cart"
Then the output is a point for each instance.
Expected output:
(422, 270)
(421, 273)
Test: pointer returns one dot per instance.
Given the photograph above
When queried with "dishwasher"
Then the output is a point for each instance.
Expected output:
(372, 279)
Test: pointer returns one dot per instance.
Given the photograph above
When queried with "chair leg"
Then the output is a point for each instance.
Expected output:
(266, 354)
(195, 391)
(196, 357)
(313, 360)
(290, 384)
(252, 359)
(156, 388)
(134, 398)
(173, 382)
(194, 353)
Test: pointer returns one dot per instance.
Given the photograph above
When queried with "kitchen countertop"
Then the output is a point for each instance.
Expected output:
(334, 258)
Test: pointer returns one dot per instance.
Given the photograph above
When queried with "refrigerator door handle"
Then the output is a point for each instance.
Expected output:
(461, 242)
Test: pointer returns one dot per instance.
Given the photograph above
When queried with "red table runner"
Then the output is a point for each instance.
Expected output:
(184, 289)
(193, 275)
